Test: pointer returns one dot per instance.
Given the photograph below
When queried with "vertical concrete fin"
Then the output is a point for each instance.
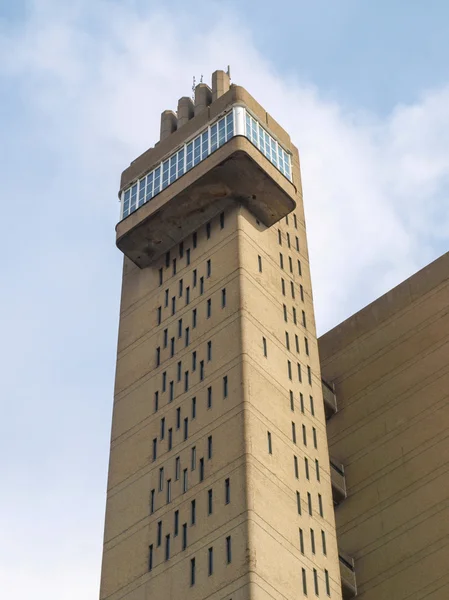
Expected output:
(220, 84)
(169, 123)
(186, 110)
(203, 97)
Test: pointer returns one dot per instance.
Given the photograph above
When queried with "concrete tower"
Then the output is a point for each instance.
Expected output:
(219, 480)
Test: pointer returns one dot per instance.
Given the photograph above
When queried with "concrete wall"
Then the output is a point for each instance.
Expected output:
(390, 366)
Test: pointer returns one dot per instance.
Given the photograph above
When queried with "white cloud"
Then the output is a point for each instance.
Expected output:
(91, 80)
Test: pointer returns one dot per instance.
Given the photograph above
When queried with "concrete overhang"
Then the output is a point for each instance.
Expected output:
(236, 172)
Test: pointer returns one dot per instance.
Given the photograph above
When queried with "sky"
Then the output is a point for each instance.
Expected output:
(363, 89)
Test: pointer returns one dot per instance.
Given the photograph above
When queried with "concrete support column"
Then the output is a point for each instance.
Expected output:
(220, 84)
(203, 97)
(186, 110)
(168, 123)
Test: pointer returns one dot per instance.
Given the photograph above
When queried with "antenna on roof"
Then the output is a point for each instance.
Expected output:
(193, 87)
(229, 72)
(201, 79)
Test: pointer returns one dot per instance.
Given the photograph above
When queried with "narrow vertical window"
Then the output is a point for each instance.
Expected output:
(209, 502)
(326, 579)
(281, 260)
(293, 432)
(209, 397)
(285, 312)
(193, 458)
(283, 286)
(161, 276)
(304, 581)
(194, 361)
(295, 320)
(210, 561)
(201, 370)
(178, 417)
(179, 370)
(208, 268)
(297, 243)
(159, 315)
(166, 297)
(289, 369)
(309, 502)
(152, 496)
(279, 237)
(288, 240)
(315, 442)
(306, 467)
(168, 491)
(171, 396)
(172, 347)
(161, 479)
(159, 533)
(301, 540)
(181, 287)
(186, 381)
(187, 295)
(174, 267)
(209, 447)
(312, 406)
(317, 468)
(154, 449)
(201, 469)
(173, 305)
(292, 402)
(287, 341)
(304, 319)
(170, 439)
(259, 259)
(194, 318)
(299, 268)
(290, 264)
(264, 344)
(186, 428)
(222, 220)
(323, 542)
(209, 350)
(292, 289)
(195, 240)
(165, 337)
(286, 220)
(195, 277)
(208, 229)
(184, 481)
(177, 468)
(150, 557)
(184, 536)
(315, 582)
(301, 401)
(192, 571)
(227, 491)
(298, 502)
(176, 524)
(228, 550)
(295, 221)
(223, 297)
(312, 540)
(201, 286)
(179, 328)
(295, 464)
(187, 336)
(309, 375)
(298, 366)
(188, 256)
(270, 447)
(306, 345)
(225, 386)
(209, 308)
(193, 512)
(164, 381)
(304, 435)
(156, 401)
(301, 293)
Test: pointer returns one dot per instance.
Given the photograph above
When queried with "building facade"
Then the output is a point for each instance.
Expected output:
(219, 479)
(243, 467)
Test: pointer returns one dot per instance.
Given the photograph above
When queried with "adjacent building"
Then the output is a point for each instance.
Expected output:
(221, 483)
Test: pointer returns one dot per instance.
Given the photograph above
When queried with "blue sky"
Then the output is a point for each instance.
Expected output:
(363, 88)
